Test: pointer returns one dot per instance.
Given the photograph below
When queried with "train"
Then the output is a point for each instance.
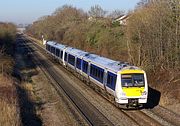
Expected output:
(124, 83)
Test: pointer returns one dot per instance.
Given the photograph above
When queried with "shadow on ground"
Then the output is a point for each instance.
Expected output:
(24, 70)
(153, 98)
(28, 109)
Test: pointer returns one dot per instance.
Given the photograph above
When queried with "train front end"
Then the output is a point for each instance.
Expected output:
(131, 87)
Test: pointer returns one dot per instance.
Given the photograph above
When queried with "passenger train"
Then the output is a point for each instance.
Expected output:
(125, 83)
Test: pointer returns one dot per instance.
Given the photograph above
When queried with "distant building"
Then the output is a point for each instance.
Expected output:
(122, 19)
(21, 27)
(20, 30)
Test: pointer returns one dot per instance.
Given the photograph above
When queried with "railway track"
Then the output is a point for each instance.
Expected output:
(145, 119)
(138, 117)
(88, 112)
(164, 116)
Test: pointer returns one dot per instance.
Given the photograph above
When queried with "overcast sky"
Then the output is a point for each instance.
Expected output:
(27, 11)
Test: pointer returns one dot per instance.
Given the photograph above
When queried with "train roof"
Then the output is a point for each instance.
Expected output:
(96, 59)
(76, 52)
(56, 45)
(105, 62)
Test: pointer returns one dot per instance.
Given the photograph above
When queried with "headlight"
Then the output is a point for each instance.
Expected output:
(123, 94)
(144, 93)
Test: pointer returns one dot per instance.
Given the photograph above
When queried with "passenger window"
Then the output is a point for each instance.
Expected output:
(78, 63)
(85, 66)
(111, 80)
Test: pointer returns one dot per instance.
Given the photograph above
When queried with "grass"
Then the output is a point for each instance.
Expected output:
(36, 40)
(9, 109)
(167, 82)
(28, 87)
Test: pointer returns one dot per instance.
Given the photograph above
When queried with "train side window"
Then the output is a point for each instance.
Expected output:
(71, 59)
(101, 76)
(48, 47)
(92, 71)
(85, 66)
(111, 80)
(57, 52)
(78, 63)
(53, 50)
(96, 73)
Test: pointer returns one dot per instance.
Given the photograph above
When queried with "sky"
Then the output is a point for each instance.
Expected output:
(27, 11)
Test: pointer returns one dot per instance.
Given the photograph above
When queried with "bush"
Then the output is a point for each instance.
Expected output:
(7, 37)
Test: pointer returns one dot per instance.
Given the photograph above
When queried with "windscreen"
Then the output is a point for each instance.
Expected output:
(132, 80)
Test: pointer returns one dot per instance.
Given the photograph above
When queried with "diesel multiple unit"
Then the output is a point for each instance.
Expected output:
(125, 83)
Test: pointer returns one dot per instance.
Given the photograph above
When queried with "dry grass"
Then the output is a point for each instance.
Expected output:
(36, 40)
(6, 64)
(168, 83)
(9, 109)
(28, 87)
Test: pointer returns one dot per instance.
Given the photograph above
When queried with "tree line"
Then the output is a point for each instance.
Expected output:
(92, 31)
(153, 42)
(7, 37)
(153, 34)
(151, 38)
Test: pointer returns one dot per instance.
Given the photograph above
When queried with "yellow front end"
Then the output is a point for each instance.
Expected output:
(134, 92)
(133, 88)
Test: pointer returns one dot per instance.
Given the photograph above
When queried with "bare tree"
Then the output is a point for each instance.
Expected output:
(97, 12)
(116, 13)
(153, 34)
